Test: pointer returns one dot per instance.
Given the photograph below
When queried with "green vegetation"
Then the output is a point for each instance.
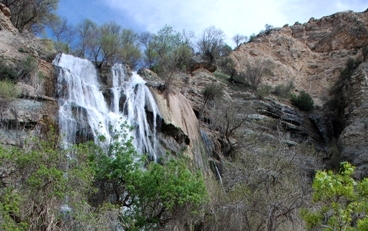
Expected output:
(303, 101)
(100, 191)
(167, 52)
(342, 202)
(32, 15)
(8, 90)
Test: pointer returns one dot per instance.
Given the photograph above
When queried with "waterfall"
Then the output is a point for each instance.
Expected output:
(83, 109)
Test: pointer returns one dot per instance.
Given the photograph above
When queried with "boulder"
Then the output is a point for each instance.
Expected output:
(6, 11)
(198, 62)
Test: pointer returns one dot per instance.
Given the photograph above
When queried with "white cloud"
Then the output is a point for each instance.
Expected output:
(232, 16)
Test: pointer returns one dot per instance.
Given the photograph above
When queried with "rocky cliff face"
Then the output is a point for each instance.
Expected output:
(310, 54)
(35, 108)
(354, 137)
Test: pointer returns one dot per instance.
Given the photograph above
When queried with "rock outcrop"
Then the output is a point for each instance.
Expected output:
(310, 54)
(35, 108)
(353, 140)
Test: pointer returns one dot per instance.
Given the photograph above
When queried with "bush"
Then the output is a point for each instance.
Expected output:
(8, 90)
(7, 71)
(212, 91)
(341, 201)
(303, 101)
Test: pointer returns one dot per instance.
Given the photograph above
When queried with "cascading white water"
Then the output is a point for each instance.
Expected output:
(83, 107)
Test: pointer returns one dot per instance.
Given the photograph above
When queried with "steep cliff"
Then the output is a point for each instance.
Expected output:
(35, 108)
(309, 54)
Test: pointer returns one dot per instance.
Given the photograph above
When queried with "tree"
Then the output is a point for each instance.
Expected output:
(211, 42)
(64, 34)
(228, 119)
(85, 34)
(342, 202)
(32, 15)
(35, 187)
(238, 39)
(148, 194)
(107, 44)
(167, 51)
(227, 66)
(130, 51)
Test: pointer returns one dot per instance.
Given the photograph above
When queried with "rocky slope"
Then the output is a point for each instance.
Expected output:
(309, 54)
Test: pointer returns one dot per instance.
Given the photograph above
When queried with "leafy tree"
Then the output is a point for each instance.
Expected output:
(106, 44)
(342, 202)
(211, 42)
(85, 35)
(148, 198)
(39, 186)
(227, 66)
(32, 15)
(167, 51)
(130, 51)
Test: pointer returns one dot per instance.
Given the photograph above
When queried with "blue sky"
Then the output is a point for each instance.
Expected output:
(232, 16)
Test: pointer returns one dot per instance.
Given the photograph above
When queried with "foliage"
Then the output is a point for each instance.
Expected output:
(211, 42)
(130, 50)
(167, 52)
(64, 34)
(303, 101)
(32, 15)
(40, 177)
(212, 91)
(8, 90)
(342, 201)
(150, 196)
(7, 72)
(227, 66)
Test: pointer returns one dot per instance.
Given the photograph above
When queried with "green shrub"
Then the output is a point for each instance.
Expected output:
(7, 71)
(149, 198)
(342, 202)
(8, 90)
(303, 101)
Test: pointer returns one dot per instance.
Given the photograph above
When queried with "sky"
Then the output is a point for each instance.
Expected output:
(232, 16)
